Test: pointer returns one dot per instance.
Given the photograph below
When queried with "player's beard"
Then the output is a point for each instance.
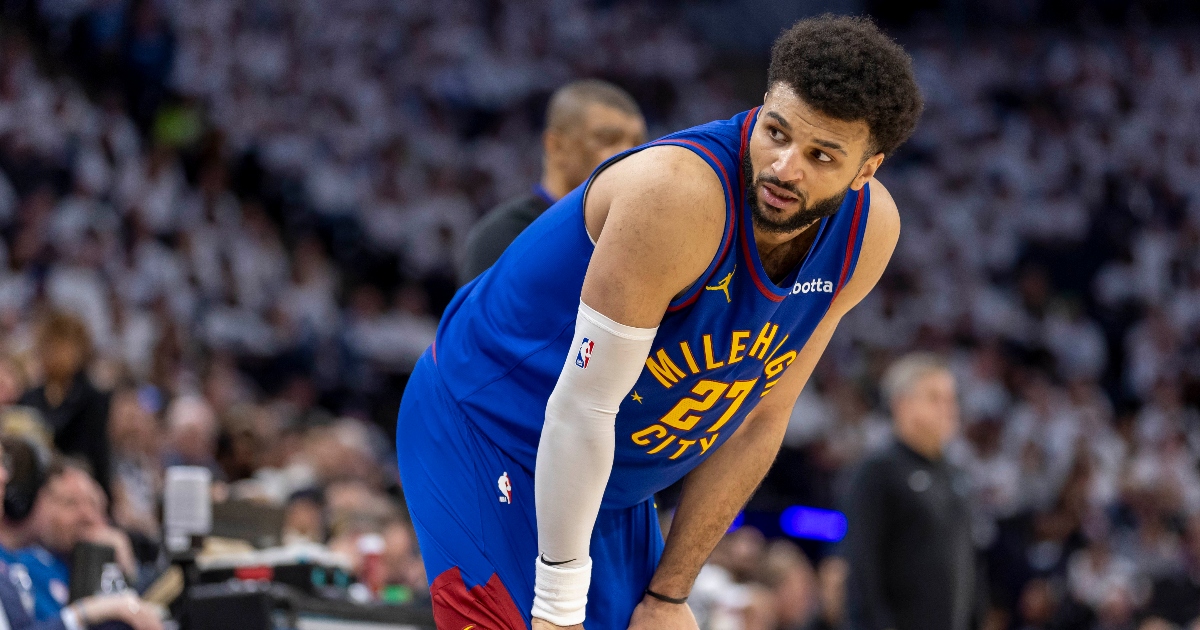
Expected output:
(805, 216)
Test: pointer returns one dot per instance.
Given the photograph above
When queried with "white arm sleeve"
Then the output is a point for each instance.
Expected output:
(575, 457)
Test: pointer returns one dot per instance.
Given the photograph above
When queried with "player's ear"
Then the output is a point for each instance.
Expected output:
(867, 171)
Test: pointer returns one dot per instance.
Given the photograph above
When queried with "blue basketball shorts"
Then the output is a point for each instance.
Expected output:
(473, 510)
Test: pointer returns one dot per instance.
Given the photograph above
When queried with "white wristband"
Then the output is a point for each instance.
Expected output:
(560, 592)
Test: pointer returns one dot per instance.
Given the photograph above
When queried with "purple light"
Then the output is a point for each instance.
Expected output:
(813, 523)
(737, 522)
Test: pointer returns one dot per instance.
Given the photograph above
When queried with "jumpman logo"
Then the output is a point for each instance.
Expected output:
(723, 285)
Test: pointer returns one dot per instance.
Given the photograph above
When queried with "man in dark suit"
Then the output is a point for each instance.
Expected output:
(909, 545)
(587, 122)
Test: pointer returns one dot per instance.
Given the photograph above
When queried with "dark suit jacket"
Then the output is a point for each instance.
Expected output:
(496, 231)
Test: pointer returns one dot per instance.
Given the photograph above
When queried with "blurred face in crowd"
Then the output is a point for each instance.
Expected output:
(399, 552)
(131, 427)
(304, 519)
(62, 358)
(193, 430)
(67, 508)
(802, 163)
(600, 132)
(831, 581)
(926, 415)
(12, 384)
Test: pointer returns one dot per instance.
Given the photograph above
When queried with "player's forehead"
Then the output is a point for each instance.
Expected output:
(783, 105)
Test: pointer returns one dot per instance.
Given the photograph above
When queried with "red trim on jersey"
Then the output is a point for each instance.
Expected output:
(486, 607)
(758, 282)
(742, 150)
(433, 349)
(731, 216)
(850, 242)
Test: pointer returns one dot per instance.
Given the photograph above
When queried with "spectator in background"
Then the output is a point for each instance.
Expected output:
(587, 122)
(786, 571)
(23, 592)
(831, 585)
(192, 435)
(136, 441)
(1176, 596)
(912, 559)
(74, 410)
(68, 508)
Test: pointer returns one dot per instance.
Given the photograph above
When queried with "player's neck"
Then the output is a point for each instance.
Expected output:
(781, 253)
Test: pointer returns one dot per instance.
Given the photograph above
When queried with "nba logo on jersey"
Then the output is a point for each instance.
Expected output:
(505, 487)
(585, 353)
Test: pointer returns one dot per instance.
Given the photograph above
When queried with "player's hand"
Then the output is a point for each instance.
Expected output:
(653, 614)
(542, 624)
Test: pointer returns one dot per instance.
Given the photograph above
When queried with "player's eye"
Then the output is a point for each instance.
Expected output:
(775, 134)
(822, 156)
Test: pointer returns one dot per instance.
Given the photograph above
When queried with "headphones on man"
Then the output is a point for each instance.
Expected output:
(27, 474)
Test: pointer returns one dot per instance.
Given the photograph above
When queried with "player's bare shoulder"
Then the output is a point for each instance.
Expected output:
(678, 184)
(657, 217)
(884, 217)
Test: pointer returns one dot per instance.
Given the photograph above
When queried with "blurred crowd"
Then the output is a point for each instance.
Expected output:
(229, 227)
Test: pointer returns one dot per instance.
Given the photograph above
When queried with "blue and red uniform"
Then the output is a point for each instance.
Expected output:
(473, 410)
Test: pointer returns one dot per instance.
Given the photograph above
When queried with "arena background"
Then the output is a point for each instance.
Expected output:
(256, 207)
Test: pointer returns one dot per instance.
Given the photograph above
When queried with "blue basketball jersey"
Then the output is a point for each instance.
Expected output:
(720, 347)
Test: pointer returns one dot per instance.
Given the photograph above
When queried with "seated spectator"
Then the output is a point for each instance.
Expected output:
(137, 483)
(63, 508)
(21, 590)
(192, 435)
(786, 571)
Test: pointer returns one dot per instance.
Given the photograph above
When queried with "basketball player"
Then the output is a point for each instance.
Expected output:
(655, 324)
(587, 122)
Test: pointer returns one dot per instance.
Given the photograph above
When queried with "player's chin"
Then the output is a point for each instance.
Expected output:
(776, 214)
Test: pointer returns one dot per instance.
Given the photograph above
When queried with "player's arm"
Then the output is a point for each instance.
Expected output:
(657, 217)
(717, 489)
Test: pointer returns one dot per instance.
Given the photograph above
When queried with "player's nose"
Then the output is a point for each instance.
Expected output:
(789, 166)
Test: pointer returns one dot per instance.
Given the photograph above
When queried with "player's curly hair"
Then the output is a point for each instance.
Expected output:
(845, 67)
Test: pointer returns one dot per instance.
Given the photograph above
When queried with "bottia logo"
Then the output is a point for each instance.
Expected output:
(813, 286)
(585, 353)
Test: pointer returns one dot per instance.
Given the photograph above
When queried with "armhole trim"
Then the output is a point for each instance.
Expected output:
(690, 296)
(853, 242)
